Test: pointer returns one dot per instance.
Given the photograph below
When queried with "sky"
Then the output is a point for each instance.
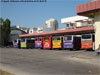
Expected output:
(34, 14)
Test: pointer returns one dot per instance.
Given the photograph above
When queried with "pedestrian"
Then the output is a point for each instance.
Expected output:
(98, 50)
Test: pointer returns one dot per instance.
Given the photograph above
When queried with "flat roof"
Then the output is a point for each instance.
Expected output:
(73, 19)
(82, 30)
(88, 7)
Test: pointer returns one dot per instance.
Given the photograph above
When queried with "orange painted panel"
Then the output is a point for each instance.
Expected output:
(87, 45)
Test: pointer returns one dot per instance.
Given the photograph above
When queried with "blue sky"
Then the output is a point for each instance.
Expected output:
(30, 14)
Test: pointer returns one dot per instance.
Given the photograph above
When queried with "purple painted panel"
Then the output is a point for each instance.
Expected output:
(38, 45)
(68, 45)
(38, 42)
(68, 41)
(15, 45)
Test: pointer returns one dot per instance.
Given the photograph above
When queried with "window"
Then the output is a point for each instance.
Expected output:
(30, 41)
(86, 36)
(68, 38)
(38, 39)
(23, 40)
(31, 31)
(56, 38)
(46, 39)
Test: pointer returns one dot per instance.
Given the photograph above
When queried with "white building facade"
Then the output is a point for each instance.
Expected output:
(32, 30)
(77, 21)
(51, 23)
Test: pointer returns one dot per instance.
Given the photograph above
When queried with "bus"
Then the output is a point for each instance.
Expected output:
(47, 42)
(87, 41)
(27, 43)
(57, 42)
(38, 42)
(72, 42)
(68, 41)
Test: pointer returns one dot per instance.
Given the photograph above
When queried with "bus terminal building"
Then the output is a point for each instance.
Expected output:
(91, 10)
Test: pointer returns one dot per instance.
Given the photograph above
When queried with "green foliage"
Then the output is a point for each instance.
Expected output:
(1, 28)
(1, 20)
(7, 26)
(4, 30)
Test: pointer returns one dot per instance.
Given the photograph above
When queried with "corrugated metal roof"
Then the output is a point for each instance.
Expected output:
(66, 31)
(88, 7)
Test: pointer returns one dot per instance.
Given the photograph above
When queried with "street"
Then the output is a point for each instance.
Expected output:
(49, 62)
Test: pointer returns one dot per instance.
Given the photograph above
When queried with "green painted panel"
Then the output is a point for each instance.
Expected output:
(23, 45)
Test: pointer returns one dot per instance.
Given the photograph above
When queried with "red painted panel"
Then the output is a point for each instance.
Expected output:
(47, 42)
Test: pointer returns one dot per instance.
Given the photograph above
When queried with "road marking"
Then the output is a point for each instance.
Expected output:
(2, 72)
(85, 58)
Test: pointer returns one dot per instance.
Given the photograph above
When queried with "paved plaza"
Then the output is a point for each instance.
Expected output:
(49, 62)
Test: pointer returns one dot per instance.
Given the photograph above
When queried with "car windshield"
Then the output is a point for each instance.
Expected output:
(23, 40)
(46, 39)
(56, 38)
(30, 41)
(86, 36)
(38, 39)
(68, 38)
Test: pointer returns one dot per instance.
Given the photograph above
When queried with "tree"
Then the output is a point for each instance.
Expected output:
(1, 21)
(4, 31)
(1, 34)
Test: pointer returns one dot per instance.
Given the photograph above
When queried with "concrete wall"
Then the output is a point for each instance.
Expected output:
(97, 29)
(14, 35)
(51, 23)
(32, 30)
(48, 29)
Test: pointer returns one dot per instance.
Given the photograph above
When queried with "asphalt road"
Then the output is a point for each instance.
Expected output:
(49, 62)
